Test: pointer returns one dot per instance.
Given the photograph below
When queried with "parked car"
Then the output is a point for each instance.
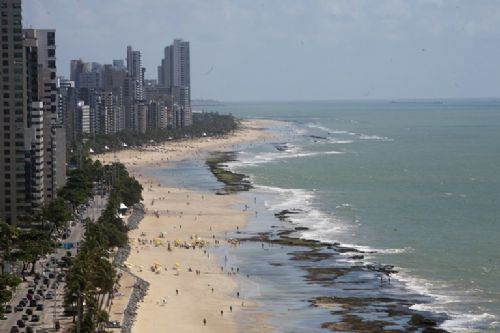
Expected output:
(35, 318)
(37, 297)
(20, 323)
(32, 303)
(24, 317)
(29, 329)
(14, 329)
(39, 307)
(8, 309)
(18, 308)
(29, 311)
(49, 295)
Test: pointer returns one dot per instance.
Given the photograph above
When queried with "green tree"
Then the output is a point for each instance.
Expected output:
(32, 245)
(8, 237)
(7, 283)
(57, 214)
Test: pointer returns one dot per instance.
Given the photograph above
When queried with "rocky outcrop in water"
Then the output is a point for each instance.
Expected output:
(233, 182)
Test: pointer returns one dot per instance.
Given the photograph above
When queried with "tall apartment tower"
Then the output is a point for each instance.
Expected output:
(175, 74)
(135, 72)
(15, 198)
(42, 46)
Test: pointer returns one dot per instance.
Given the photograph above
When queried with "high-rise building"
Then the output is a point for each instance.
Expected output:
(32, 141)
(135, 72)
(66, 106)
(174, 73)
(14, 185)
(41, 44)
(157, 115)
(82, 119)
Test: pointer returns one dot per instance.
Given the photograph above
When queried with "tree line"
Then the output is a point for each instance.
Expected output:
(204, 124)
(91, 277)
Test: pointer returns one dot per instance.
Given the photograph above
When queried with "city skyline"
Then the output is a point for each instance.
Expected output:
(294, 50)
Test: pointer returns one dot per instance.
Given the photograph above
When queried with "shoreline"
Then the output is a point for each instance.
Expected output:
(195, 225)
(216, 294)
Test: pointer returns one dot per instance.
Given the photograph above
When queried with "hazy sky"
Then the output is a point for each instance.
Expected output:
(293, 49)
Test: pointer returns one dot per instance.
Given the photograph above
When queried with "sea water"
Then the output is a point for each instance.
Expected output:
(418, 182)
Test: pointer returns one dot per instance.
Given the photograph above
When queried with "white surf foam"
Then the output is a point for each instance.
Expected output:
(360, 136)
(374, 137)
(467, 322)
(246, 159)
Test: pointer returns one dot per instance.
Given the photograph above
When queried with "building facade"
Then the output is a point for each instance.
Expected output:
(14, 194)
(174, 74)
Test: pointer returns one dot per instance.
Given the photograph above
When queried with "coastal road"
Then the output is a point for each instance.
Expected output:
(53, 308)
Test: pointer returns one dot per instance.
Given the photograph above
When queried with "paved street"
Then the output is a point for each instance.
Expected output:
(52, 306)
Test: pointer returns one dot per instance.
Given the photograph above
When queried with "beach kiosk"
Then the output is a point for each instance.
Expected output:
(122, 208)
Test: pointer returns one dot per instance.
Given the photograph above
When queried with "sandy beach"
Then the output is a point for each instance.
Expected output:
(191, 289)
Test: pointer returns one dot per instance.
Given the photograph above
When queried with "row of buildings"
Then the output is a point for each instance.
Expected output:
(107, 98)
(40, 112)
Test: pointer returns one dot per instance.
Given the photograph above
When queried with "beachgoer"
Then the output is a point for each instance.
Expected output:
(177, 291)
(204, 322)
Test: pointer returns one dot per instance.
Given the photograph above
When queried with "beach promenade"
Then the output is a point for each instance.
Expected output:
(191, 289)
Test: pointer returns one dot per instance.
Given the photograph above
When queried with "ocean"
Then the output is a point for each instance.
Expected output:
(414, 184)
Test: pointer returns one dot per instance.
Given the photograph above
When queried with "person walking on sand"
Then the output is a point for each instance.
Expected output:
(204, 322)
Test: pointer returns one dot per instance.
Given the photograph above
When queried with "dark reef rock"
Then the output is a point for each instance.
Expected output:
(284, 215)
(233, 182)
(353, 323)
(312, 255)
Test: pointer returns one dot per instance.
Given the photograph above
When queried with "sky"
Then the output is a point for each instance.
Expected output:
(259, 50)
